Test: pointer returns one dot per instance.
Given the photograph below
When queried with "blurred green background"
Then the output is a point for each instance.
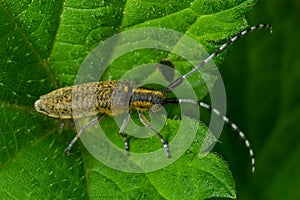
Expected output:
(262, 79)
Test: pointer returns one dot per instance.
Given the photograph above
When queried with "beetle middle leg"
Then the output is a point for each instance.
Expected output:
(148, 125)
(121, 132)
(89, 124)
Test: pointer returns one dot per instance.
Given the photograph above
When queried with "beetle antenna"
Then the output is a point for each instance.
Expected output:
(224, 118)
(178, 81)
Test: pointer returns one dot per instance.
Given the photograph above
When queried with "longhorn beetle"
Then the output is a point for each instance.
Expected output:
(124, 97)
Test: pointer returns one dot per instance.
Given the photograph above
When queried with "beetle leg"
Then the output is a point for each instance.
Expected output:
(148, 125)
(121, 132)
(89, 124)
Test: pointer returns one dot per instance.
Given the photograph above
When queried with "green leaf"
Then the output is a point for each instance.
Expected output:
(42, 46)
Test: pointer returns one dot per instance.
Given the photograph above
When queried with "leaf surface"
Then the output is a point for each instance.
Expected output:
(42, 46)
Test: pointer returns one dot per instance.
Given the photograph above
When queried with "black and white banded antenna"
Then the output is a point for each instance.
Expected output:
(178, 81)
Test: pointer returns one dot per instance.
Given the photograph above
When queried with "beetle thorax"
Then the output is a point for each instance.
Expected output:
(144, 99)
